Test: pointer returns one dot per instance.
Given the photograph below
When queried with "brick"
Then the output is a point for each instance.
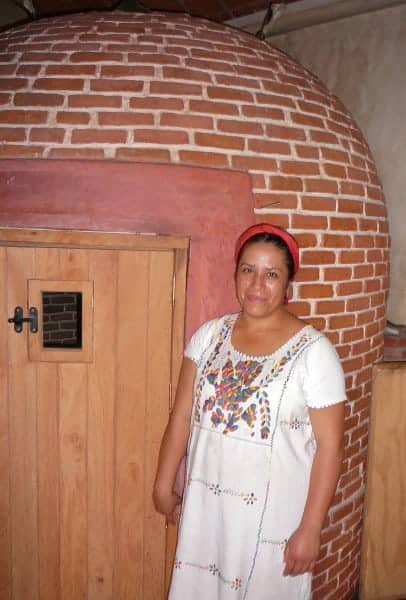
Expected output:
(20, 151)
(268, 147)
(316, 291)
(358, 304)
(348, 188)
(372, 285)
(206, 159)
(343, 224)
(143, 154)
(353, 335)
(307, 151)
(318, 257)
(323, 137)
(219, 141)
(275, 218)
(171, 88)
(337, 273)
(59, 84)
(274, 100)
(336, 241)
(98, 136)
(309, 221)
(155, 103)
(296, 167)
(285, 133)
(330, 307)
(162, 136)
(13, 83)
(349, 288)
(225, 93)
(73, 117)
(307, 274)
(12, 134)
(42, 57)
(126, 71)
(70, 70)
(352, 256)
(38, 99)
(93, 57)
(48, 134)
(285, 184)
(241, 127)
(27, 117)
(333, 170)
(313, 108)
(375, 193)
(217, 108)
(352, 206)
(188, 75)
(342, 321)
(316, 203)
(306, 120)
(94, 101)
(368, 225)
(7, 70)
(5, 99)
(76, 153)
(116, 85)
(232, 81)
(262, 112)
(363, 271)
(321, 186)
(375, 210)
(357, 174)
(333, 155)
(306, 240)
(255, 163)
(126, 119)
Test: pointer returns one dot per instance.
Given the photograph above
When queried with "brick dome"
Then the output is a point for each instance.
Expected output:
(174, 89)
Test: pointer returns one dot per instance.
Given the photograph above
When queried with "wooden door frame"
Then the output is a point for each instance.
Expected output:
(97, 240)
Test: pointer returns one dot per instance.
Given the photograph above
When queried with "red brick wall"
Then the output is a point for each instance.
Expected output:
(172, 89)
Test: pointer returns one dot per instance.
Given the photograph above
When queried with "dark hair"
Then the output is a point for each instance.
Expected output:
(275, 240)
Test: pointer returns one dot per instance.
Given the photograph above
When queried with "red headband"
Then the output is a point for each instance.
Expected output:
(273, 229)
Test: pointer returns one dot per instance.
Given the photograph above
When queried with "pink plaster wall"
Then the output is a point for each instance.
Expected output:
(210, 206)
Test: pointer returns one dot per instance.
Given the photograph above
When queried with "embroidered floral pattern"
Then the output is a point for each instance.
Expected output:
(248, 498)
(296, 424)
(239, 388)
(234, 584)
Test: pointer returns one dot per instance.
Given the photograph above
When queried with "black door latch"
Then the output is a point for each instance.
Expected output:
(19, 319)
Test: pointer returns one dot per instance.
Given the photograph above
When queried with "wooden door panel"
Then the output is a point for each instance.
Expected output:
(49, 521)
(102, 427)
(156, 415)
(79, 441)
(5, 529)
(22, 443)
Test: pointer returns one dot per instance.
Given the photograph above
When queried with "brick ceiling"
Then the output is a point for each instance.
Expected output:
(216, 10)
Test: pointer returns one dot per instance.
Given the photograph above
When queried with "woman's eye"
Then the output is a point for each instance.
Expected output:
(272, 274)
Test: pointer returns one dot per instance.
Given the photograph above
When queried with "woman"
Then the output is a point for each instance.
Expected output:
(260, 409)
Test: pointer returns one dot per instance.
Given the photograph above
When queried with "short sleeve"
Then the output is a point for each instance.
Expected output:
(323, 376)
(200, 341)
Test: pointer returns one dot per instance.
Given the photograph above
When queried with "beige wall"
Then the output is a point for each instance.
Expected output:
(363, 61)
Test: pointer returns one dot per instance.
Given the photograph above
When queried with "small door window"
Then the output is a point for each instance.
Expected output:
(65, 321)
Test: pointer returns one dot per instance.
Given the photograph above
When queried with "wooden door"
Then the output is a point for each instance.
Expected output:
(80, 427)
(383, 556)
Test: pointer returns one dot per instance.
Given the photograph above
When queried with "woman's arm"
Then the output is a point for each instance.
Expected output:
(174, 443)
(302, 549)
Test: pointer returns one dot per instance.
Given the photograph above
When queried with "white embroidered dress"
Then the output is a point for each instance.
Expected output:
(250, 453)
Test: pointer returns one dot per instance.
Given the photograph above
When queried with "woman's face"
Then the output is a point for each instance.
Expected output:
(261, 279)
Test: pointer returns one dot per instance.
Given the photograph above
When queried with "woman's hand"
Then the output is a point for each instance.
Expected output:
(168, 504)
(301, 551)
